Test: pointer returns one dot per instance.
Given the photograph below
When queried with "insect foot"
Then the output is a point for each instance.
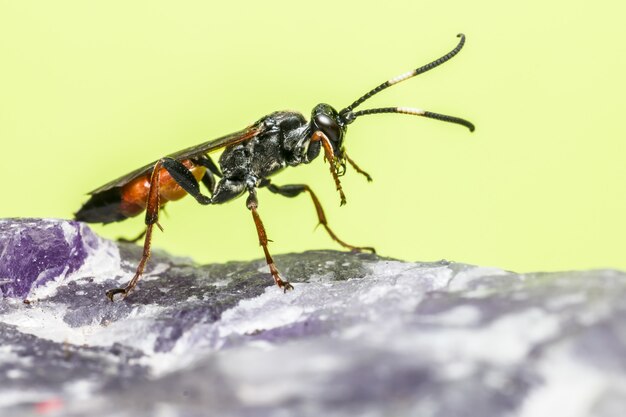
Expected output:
(363, 249)
(113, 292)
(285, 285)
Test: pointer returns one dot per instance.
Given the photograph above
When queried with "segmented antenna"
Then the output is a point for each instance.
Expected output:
(415, 112)
(407, 75)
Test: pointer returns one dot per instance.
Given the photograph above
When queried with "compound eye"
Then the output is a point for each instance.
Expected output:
(329, 126)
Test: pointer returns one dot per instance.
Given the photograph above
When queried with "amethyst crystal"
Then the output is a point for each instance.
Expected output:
(35, 251)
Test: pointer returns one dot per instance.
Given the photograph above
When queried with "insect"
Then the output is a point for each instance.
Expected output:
(250, 157)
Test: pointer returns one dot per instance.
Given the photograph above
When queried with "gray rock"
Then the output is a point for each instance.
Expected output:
(359, 336)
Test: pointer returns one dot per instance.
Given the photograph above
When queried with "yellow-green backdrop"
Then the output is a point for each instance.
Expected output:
(89, 90)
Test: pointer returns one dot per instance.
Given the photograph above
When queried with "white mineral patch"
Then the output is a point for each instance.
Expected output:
(461, 316)
(430, 278)
(69, 230)
(127, 331)
(46, 322)
(570, 386)
(154, 273)
(9, 398)
(463, 280)
(503, 342)
(270, 310)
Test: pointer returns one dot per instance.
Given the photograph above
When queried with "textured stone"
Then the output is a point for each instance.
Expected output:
(359, 335)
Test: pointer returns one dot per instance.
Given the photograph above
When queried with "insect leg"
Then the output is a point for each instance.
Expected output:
(357, 169)
(252, 203)
(295, 190)
(212, 171)
(207, 162)
(185, 179)
(330, 157)
(133, 240)
(152, 218)
(208, 179)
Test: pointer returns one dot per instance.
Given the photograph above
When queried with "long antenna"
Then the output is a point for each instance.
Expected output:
(412, 111)
(405, 76)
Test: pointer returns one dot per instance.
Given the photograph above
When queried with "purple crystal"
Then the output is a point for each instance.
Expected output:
(35, 251)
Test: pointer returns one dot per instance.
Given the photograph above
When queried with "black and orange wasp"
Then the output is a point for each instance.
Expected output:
(250, 157)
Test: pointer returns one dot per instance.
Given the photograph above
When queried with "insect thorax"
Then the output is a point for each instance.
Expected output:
(284, 143)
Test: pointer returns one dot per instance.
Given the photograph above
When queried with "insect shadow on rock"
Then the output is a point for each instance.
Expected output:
(250, 157)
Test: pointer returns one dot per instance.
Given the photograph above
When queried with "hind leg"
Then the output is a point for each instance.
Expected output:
(186, 180)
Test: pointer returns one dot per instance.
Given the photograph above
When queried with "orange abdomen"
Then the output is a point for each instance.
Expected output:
(134, 195)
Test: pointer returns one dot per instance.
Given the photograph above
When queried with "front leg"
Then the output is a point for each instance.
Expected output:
(294, 190)
(332, 161)
(252, 203)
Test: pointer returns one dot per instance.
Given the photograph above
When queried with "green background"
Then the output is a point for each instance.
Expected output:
(90, 90)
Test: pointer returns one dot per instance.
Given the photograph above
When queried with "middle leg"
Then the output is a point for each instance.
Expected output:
(252, 203)
(208, 179)
(296, 189)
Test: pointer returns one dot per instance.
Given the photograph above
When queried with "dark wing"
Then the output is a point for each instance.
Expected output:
(193, 151)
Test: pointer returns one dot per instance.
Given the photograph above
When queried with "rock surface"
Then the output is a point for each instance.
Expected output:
(360, 335)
